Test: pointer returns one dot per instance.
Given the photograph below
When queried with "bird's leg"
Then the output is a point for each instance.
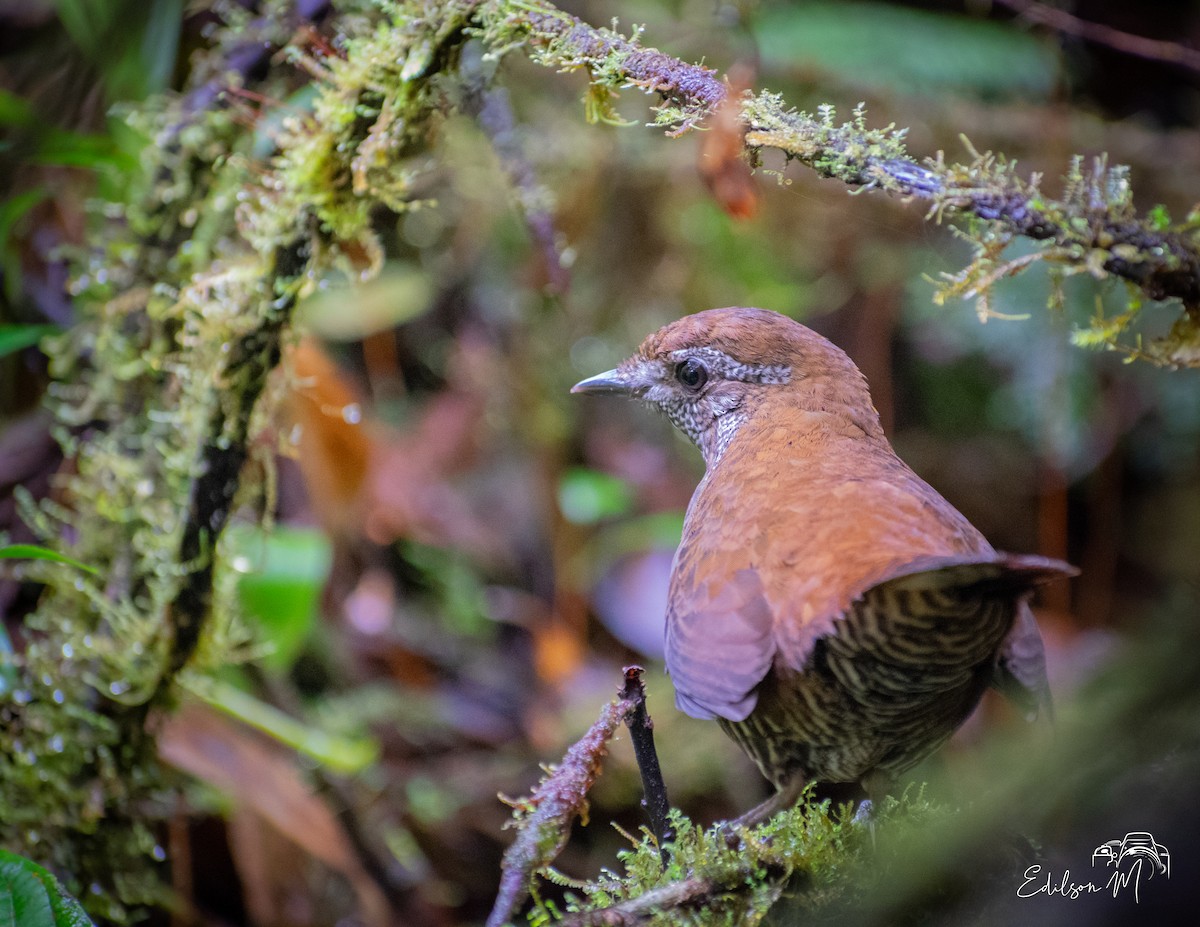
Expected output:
(783, 799)
(877, 784)
(865, 816)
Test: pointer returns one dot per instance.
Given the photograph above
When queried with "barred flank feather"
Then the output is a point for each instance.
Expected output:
(899, 674)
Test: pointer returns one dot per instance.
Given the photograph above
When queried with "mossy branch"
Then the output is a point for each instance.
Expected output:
(545, 817)
(1091, 228)
(690, 91)
(667, 902)
(251, 360)
(814, 853)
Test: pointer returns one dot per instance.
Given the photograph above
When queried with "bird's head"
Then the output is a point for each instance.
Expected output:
(712, 371)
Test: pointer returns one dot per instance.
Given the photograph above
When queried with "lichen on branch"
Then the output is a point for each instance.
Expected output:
(689, 92)
(1092, 227)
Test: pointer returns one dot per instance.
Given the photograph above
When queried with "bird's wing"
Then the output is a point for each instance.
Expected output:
(720, 648)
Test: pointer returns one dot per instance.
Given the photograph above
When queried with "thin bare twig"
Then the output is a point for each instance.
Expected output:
(1139, 46)
(492, 110)
(641, 731)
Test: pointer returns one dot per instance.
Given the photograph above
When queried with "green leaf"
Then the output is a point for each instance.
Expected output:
(282, 574)
(32, 897)
(588, 496)
(8, 669)
(346, 755)
(12, 211)
(15, 110)
(15, 338)
(33, 552)
(75, 149)
(892, 48)
(399, 294)
(132, 42)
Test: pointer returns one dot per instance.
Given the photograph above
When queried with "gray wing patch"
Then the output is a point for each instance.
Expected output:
(721, 648)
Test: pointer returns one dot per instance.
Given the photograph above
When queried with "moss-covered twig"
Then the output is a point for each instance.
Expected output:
(240, 60)
(673, 899)
(613, 61)
(1091, 228)
(1095, 217)
(711, 879)
(545, 817)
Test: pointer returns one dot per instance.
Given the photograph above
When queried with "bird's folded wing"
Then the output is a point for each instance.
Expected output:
(720, 646)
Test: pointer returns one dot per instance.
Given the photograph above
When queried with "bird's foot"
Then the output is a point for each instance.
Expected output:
(865, 815)
(759, 814)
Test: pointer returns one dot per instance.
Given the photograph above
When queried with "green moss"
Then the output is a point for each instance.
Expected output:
(146, 383)
(850, 152)
(814, 851)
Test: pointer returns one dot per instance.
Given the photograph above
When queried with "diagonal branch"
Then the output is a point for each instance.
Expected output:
(1092, 227)
(547, 815)
(1137, 45)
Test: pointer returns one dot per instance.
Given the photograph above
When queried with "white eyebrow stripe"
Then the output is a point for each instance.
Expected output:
(729, 368)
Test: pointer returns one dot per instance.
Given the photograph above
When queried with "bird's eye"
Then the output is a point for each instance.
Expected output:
(691, 373)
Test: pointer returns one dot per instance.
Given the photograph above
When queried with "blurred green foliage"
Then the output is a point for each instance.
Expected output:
(282, 573)
(588, 496)
(133, 44)
(34, 552)
(18, 337)
(878, 46)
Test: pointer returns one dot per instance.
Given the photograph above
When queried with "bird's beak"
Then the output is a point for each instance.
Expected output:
(611, 381)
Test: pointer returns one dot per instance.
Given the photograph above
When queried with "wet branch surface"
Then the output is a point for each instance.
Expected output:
(251, 361)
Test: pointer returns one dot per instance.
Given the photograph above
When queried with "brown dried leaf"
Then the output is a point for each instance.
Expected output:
(722, 163)
(264, 778)
(334, 448)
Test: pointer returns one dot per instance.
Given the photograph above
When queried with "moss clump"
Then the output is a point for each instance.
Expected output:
(184, 300)
(815, 853)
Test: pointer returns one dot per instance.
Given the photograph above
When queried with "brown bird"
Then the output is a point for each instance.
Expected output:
(827, 607)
